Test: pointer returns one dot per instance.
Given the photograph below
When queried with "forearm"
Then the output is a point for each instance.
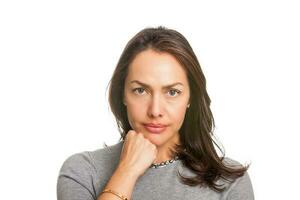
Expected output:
(122, 181)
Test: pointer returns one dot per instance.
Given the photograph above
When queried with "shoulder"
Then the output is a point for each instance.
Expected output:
(77, 167)
(88, 162)
(109, 155)
(231, 162)
(84, 172)
(241, 187)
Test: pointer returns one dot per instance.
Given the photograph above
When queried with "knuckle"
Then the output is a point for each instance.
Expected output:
(131, 132)
(140, 135)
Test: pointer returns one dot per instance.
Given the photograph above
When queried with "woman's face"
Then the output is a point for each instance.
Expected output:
(156, 91)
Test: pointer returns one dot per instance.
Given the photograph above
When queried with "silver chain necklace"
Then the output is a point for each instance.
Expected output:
(163, 164)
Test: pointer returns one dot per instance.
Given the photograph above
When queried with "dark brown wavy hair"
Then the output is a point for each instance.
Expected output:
(197, 144)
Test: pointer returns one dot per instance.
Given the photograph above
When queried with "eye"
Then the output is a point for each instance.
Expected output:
(173, 92)
(138, 90)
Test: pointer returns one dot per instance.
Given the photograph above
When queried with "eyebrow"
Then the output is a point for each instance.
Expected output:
(148, 86)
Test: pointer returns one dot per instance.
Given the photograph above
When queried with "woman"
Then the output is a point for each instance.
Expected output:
(166, 150)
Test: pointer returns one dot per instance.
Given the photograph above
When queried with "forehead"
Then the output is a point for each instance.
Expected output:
(156, 67)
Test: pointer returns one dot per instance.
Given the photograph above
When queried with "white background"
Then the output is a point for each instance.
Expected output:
(57, 58)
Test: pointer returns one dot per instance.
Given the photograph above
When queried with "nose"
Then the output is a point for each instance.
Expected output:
(155, 107)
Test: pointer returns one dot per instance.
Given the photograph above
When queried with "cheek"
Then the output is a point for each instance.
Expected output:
(178, 115)
(135, 114)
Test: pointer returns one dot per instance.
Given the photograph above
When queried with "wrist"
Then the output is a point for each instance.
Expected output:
(124, 170)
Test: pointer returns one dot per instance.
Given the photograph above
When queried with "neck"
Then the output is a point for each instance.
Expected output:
(163, 154)
(161, 157)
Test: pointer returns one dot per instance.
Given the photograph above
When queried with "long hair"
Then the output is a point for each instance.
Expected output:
(197, 145)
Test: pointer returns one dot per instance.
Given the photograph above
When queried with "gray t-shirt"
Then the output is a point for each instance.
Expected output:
(83, 176)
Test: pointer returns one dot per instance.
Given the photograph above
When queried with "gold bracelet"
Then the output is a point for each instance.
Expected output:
(115, 193)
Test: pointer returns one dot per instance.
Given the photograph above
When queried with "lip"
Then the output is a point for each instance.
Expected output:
(155, 125)
(155, 128)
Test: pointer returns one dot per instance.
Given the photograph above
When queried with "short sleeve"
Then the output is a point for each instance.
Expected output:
(75, 179)
(241, 188)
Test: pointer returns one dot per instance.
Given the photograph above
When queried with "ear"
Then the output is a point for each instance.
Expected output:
(189, 103)
(124, 102)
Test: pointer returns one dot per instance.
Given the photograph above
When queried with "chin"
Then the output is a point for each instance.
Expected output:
(157, 140)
